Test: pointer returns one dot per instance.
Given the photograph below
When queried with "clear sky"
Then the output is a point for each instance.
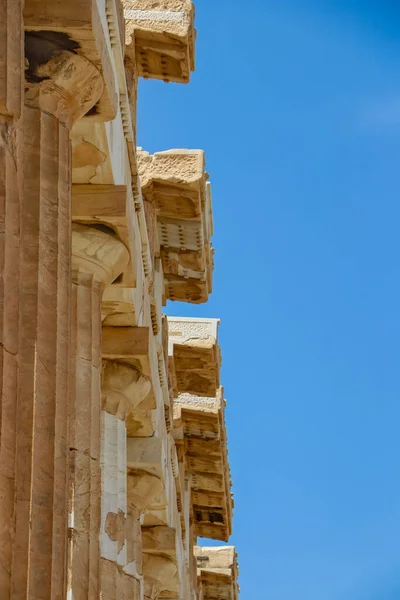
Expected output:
(297, 105)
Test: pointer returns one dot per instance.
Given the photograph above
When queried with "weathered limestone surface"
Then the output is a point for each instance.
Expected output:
(218, 573)
(59, 88)
(107, 205)
(175, 187)
(123, 389)
(193, 344)
(113, 450)
(11, 89)
(97, 258)
(43, 357)
(160, 37)
(11, 58)
(200, 424)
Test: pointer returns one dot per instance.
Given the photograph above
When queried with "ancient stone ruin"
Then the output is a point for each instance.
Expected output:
(113, 449)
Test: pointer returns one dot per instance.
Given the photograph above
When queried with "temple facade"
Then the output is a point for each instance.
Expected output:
(113, 445)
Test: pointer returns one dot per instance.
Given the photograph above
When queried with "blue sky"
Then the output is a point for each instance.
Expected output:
(297, 105)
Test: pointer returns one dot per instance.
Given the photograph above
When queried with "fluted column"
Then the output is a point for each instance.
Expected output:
(11, 86)
(60, 87)
(97, 259)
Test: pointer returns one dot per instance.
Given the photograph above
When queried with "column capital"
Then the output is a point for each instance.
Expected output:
(97, 254)
(123, 387)
(57, 79)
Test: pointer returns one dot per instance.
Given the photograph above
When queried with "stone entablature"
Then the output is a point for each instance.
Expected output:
(92, 250)
(160, 37)
(199, 425)
(218, 573)
(178, 210)
(193, 344)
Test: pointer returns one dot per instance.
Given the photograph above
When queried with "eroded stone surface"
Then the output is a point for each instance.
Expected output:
(113, 451)
(161, 36)
(200, 424)
(218, 572)
(175, 182)
(193, 344)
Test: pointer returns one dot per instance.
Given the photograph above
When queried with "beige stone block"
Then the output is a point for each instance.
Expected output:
(79, 565)
(123, 388)
(76, 27)
(161, 37)
(6, 532)
(134, 539)
(159, 540)
(201, 423)
(160, 574)
(175, 182)
(119, 307)
(144, 490)
(116, 584)
(112, 206)
(91, 160)
(193, 346)
(11, 57)
(217, 572)
(98, 254)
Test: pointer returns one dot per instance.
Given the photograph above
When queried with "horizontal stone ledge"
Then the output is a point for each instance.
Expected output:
(118, 307)
(90, 201)
(159, 540)
(125, 342)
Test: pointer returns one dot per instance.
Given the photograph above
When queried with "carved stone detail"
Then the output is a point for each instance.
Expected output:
(59, 81)
(175, 184)
(143, 489)
(160, 575)
(123, 388)
(160, 37)
(113, 443)
(97, 254)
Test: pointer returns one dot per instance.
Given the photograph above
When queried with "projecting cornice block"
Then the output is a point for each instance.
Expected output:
(199, 423)
(217, 571)
(160, 38)
(174, 183)
(194, 349)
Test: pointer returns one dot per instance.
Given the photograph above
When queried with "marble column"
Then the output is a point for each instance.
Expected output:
(11, 88)
(98, 258)
(60, 87)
